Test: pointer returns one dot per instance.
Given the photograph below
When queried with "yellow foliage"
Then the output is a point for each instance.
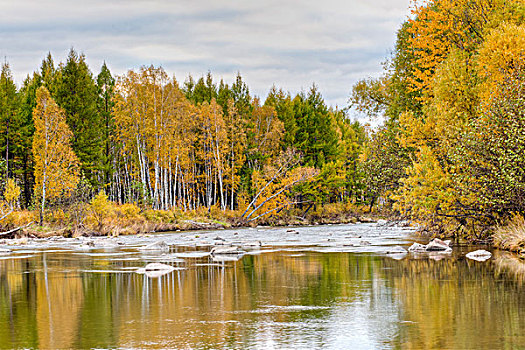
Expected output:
(427, 189)
(159, 216)
(128, 211)
(58, 217)
(100, 207)
(502, 54)
(56, 165)
(12, 192)
(438, 26)
(21, 217)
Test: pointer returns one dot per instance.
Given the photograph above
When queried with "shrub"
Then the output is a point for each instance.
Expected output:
(128, 211)
(100, 207)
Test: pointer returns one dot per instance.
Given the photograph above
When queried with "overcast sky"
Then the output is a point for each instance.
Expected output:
(287, 43)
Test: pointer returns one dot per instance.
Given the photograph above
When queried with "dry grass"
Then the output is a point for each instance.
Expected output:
(510, 264)
(512, 236)
(108, 218)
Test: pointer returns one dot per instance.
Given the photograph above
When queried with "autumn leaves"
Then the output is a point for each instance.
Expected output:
(56, 165)
(452, 97)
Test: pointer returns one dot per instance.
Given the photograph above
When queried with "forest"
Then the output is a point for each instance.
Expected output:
(451, 152)
(92, 150)
(78, 149)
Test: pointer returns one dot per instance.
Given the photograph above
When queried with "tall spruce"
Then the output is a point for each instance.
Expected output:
(77, 93)
(106, 87)
(8, 113)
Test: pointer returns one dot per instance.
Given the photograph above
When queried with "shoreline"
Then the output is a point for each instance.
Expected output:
(187, 225)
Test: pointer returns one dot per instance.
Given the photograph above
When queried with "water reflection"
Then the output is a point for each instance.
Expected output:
(276, 299)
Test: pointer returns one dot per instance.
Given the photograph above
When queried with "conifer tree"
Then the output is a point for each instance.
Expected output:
(77, 93)
(8, 113)
(106, 87)
(24, 136)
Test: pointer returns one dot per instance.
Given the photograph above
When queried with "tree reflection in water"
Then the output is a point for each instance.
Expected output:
(280, 299)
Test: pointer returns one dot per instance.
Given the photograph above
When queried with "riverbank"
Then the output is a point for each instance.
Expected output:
(128, 219)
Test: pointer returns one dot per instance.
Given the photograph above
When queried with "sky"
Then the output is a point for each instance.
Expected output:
(288, 43)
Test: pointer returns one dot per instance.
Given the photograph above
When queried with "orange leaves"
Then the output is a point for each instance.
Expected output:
(439, 26)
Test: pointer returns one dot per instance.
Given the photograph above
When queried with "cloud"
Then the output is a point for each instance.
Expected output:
(287, 43)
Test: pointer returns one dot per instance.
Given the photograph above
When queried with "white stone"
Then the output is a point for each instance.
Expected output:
(479, 255)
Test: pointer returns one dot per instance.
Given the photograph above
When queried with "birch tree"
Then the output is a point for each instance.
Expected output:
(56, 165)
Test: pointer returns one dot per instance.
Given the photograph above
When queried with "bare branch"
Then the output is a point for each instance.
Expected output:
(16, 229)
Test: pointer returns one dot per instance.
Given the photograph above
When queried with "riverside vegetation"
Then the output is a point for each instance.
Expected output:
(86, 153)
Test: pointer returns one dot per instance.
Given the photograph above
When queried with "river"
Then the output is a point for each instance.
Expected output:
(328, 287)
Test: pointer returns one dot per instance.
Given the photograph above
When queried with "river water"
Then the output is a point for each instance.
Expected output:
(331, 287)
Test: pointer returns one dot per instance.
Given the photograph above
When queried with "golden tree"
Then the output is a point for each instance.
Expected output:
(56, 165)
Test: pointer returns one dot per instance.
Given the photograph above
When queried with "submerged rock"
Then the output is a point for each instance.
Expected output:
(251, 245)
(381, 222)
(396, 250)
(227, 251)
(104, 243)
(156, 246)
(154, 270)
(194, 254)
(417, 248)
(222, 243)
(226, 257)
(158, 267)
(479, 255)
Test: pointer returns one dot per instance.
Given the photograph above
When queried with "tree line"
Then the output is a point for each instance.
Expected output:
(67, 134)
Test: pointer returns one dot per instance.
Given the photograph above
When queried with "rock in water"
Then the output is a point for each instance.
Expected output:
(158, 267)
(381, 222)
(226, 257)
(396, 250)
(227, 251)
(437, 245)
(157, 246)
(155, 270)
(417, 248)
(479, 255)
(105, 243)
(251, 245)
